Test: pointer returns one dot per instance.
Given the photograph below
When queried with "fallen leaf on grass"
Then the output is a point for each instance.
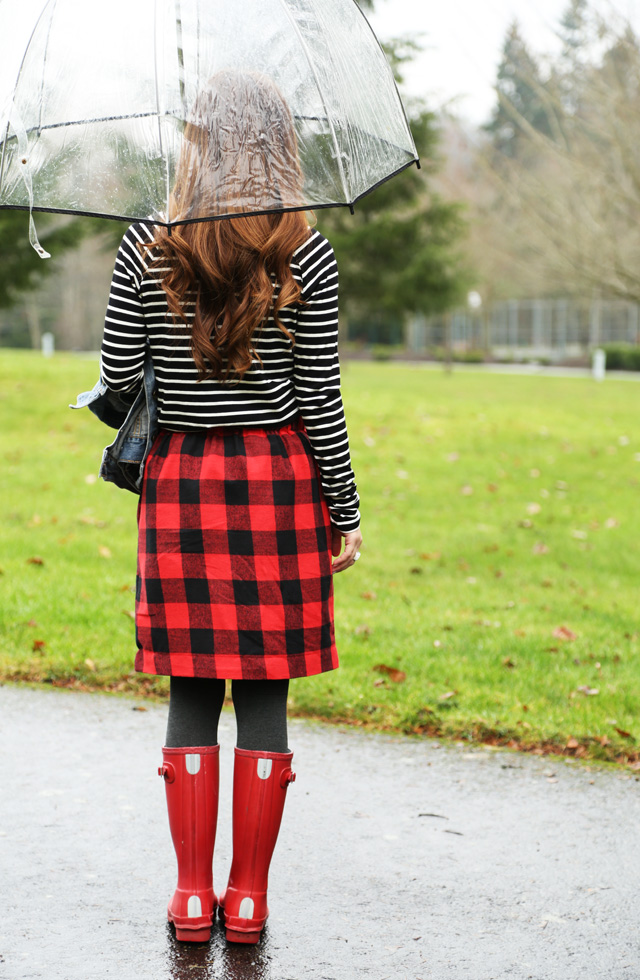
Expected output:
(466, 490)
(38, 645)
(35, 560)
(395, 675)
(379, 682)
(624, 733)
(368, 595)
(533, 508)
(519, 632)
(129, 612)
(572, 743)
(586, 690)
(447, 695)
(31, 622)
(430, 555)
(90, 664)
(611, 522)
(90, 478)
(564, 633)
(416, 571)
(363, 630)
(492, 487)
(508, 662)
(540, 548)
(104, 552)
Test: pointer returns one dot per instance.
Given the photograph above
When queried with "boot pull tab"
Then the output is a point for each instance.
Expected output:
(287, 776)
(167, 771)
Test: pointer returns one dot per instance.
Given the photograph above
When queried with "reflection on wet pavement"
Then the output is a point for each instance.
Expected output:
(217, 959)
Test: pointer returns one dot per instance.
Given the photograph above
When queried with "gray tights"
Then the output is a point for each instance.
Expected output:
(260, 706)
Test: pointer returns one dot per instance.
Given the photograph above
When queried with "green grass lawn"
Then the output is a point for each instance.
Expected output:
(497, 595)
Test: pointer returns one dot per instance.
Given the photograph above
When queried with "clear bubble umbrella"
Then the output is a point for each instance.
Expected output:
(171, 111)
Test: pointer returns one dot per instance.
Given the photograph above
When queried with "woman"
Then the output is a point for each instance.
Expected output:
(248, 489)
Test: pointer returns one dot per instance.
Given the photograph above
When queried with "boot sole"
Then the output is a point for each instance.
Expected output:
(193, 935)
(233, 936)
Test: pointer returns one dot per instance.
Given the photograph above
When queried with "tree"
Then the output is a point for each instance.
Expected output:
(574, 27)
(521, 100)
(20, 267)
(563, 214)
(399, 253)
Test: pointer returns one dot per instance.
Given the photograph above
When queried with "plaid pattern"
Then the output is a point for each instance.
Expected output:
(234, 557)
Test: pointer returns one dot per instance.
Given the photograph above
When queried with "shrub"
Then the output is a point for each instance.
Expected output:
(622, 357)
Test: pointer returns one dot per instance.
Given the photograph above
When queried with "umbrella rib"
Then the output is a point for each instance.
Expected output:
(312, 66)
(399, 100)
(44, 66)
(15, 85)
(158, 114)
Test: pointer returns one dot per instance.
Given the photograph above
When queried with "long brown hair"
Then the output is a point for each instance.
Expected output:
(239, 154)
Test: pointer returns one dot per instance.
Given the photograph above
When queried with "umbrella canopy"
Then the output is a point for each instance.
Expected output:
(183, 110)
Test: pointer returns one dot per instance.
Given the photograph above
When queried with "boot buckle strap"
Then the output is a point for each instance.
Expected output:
(167, 771)
(287, 776)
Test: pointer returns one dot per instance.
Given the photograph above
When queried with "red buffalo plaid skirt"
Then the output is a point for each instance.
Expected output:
(234, 557)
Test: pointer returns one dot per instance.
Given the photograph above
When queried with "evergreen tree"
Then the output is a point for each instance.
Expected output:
(398, 253)
(521, 101)
(20, 267)
(573, 27)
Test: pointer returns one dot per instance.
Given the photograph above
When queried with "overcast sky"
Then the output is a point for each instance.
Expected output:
(462, 41)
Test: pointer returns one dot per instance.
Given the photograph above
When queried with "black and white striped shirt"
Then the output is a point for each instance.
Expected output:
(293, 379)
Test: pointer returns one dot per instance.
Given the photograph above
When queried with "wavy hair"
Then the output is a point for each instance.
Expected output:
(239, 154)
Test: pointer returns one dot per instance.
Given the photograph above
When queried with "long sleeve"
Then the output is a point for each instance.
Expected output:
(317, 381)
(125, 336)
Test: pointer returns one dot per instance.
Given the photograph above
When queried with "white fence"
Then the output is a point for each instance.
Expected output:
(554, 329)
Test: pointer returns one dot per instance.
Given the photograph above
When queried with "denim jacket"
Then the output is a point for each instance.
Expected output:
(135, 415)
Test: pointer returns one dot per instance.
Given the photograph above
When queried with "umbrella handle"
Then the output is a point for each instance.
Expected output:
(16, 123)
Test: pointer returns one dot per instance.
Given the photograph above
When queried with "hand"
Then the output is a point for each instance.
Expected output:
(352, 544)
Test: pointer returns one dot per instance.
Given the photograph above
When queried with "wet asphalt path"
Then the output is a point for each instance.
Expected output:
(397, 858)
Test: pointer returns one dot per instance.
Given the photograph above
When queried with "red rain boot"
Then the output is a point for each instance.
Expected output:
(260, 781)
(191, 778)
